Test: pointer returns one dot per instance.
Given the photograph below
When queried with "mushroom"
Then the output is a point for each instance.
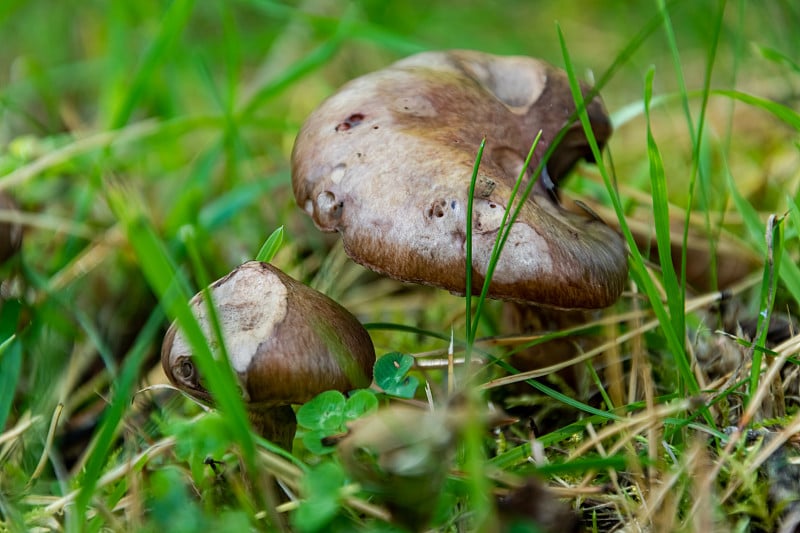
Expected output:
(286, 343)
(532, 506)
(403, 454)
(386, 161)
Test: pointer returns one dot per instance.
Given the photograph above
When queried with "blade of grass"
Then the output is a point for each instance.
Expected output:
(782, 112)
(506, 223)
(674, 338)
(794, 218)
(173, 296)
(790, 271)
(311, 62)
(673, 288)
(121, 395)
(193, 192)
(776, 56)
(360, 29)
(698, 170)
(223, 208)
(388, 326)
(271, 246)
(10, 357)
(619, 60)
(86, 322)
(774, 240)
(103, 140)
(172, 24)
(599, 385)
(468, 262)
(587, 463)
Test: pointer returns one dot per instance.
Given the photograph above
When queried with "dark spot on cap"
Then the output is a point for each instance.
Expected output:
(350, 122)
(436, 208)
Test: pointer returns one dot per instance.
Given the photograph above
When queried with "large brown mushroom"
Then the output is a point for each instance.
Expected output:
(386, 162)
(286, 343)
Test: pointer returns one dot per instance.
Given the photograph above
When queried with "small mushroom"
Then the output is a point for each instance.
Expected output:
(387, 160)
(533, 507)
(286, 343)
(10, 232)
(403, 454)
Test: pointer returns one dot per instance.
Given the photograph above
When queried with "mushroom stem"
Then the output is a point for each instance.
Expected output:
(276, 424)
(532, 319)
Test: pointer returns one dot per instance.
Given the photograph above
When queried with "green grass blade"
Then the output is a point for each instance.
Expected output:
(506, 223)
(222, 209)
(697, 171)
(10, 357)
(173, 296)
(86, 323)
(193, 192)
(658, 183)
(794, 218)
(112, 416)
(774, 241)
(172, 24)
(572, 402)
(468, 261)
(311, 62)
(582, 465)
(776, 56)
(782, 112)
(271, 246)
(505, 229)
(638, 269)
(790, 271)
(388, 326)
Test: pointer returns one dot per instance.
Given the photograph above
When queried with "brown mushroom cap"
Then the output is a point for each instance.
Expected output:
(387, 161)
(286, 342)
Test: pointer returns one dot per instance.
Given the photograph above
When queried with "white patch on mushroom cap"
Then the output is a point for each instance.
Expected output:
(526, 253)
(338, 173)
(250, 303)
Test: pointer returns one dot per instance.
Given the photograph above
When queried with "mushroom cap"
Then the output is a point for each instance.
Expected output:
(387, 160)
(286, 342)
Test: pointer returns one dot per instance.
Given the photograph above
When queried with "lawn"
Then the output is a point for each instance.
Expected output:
(146, 151)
